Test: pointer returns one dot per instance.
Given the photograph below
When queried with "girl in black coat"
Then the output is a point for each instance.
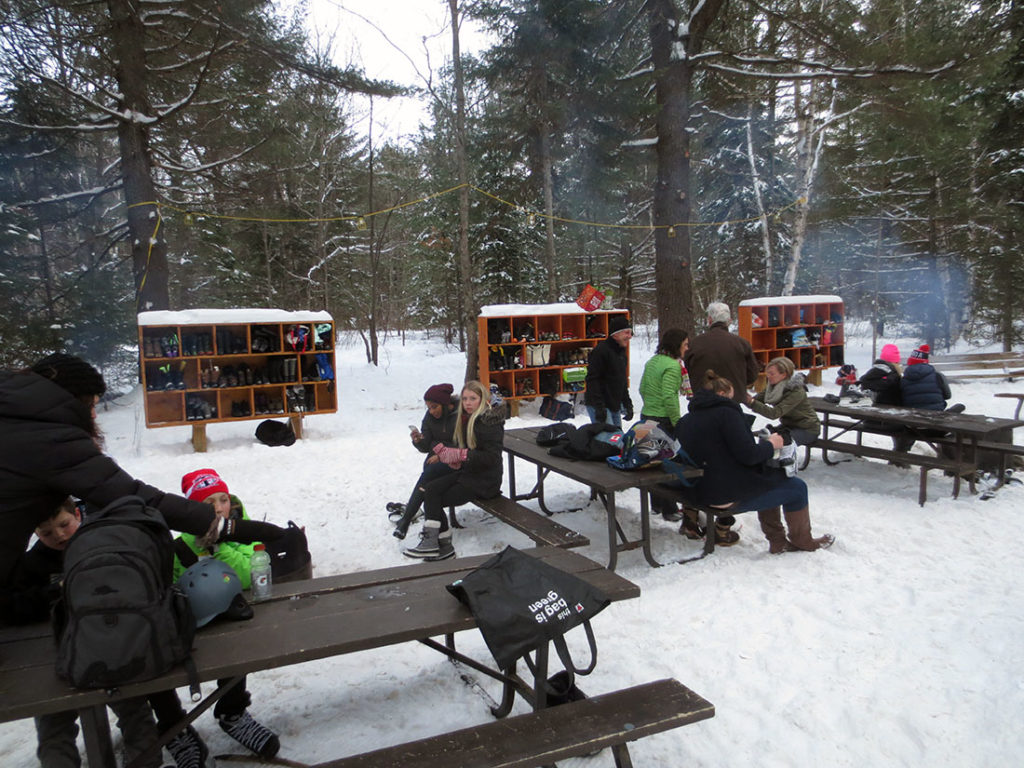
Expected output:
(476, 458)
(716, 436)
(438, 427)
(49, 450)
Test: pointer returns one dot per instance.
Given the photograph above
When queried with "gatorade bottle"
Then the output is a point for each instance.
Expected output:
(259, 570)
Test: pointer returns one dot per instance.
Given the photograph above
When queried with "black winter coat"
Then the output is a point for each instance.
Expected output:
(924, 387)
(482, 470)
(436, 431)
(47, 454)
(882, 380)
(31, 594)
(608, 377)
(715, 435)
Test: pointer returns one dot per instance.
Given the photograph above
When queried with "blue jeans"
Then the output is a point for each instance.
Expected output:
(792, 495)
(614, 417)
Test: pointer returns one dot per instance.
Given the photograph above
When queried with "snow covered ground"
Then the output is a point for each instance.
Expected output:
(899, 646)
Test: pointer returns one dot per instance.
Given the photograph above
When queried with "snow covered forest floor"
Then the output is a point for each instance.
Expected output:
(899, 646)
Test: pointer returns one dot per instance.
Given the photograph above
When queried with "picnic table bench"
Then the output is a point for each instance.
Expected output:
(980, 365)
(538, 526)
(541, 738)
(963, 432)
(304, 621)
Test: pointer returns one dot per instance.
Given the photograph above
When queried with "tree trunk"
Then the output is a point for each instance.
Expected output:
(467, 321)
(549, 210)
(673, 275)
(148, 247)
(674, 70)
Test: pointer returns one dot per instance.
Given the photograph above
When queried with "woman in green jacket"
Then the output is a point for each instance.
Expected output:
(659, 390)
(785, 398)
(662, 379)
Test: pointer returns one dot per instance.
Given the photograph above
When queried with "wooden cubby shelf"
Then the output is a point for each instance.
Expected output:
(530, 350)
(806, 329)
(201, 366)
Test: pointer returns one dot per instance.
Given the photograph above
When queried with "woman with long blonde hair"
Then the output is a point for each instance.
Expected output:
(474, 452)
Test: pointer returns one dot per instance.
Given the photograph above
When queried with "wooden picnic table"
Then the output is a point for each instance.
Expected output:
(603, 481)
(304, 621)
(964, 430)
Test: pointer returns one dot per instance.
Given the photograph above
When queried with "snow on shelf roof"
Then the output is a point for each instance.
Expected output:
(226, 316)
(565, 308)
(778, 300)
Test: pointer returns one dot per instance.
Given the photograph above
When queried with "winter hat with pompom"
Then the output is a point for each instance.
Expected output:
(919, 355)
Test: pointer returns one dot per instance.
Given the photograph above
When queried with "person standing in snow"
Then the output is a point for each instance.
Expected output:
(607, 394)
(722, 351)
(438, 426)
(785, 398)
(474, 452)
(660, 385)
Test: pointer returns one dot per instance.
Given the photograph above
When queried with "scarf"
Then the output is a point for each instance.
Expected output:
(773, 392)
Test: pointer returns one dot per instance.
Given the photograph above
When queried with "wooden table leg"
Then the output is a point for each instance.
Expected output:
(96, 729)
(645, 527)
(613, 544)
(199, 438)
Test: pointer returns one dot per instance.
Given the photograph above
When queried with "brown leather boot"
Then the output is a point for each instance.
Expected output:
(771, 526)
(725, 536)
(799, 525)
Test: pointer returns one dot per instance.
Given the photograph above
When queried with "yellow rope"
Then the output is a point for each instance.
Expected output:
(360, 219)
(535, 214)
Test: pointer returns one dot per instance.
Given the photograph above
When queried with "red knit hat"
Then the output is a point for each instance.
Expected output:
(919, 355)
(201, 484)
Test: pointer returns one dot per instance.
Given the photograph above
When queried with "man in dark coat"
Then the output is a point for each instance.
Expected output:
(49, 451)
(607, 396)
(725, 353)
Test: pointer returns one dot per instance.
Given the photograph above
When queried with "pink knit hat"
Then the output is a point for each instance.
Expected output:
(890, 353)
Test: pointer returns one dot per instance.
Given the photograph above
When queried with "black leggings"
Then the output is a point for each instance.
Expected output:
(444, 491)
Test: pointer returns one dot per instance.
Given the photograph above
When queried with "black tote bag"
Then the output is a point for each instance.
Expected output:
(520, 603)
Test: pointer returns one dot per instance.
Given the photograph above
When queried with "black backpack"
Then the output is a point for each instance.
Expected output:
(121, 618)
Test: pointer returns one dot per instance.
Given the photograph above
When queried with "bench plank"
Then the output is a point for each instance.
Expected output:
(557, 733)
(538, 526)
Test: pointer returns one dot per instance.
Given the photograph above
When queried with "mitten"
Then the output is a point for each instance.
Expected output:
(248, 531)
(453, 457)
(627, 411)
(601, 413)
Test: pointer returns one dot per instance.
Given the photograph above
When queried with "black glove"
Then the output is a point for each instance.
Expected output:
(627, 412)
(248, 531)
(600, 414)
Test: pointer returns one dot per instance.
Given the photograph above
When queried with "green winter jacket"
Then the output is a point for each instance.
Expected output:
(238, 556)
(793, 410)
(659, 388)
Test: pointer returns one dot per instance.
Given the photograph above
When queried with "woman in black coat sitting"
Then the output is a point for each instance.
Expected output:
(716, 436)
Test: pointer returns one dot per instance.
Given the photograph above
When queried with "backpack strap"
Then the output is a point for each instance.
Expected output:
(184, 553)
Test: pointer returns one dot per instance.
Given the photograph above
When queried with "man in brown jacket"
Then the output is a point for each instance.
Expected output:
(725, 353)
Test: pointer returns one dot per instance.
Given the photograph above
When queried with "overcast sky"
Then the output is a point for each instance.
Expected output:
(401, 40)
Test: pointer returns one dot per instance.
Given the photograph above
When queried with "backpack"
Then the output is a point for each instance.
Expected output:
(553, 434)
(121, 619)
(586, 444)
(644, 444)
